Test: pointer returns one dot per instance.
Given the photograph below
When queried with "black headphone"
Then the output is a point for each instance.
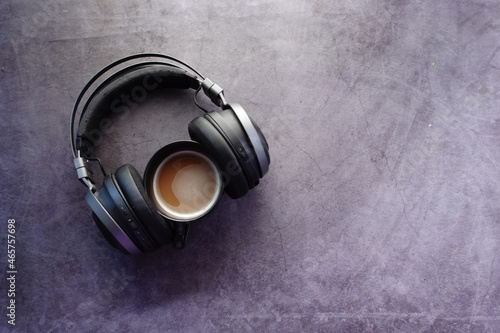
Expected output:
(121, 207)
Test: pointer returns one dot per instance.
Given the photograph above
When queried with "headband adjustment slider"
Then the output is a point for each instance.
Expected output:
(85, 174)
(214, 92)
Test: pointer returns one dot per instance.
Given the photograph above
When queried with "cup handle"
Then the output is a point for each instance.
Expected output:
(181, 231)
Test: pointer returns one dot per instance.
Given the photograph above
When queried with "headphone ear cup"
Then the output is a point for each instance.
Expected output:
(108, 235)
(130, 183)
(202, 131)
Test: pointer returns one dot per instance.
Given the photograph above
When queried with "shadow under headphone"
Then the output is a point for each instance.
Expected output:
(121, 207)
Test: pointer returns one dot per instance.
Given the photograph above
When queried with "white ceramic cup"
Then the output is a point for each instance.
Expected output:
(183, 182)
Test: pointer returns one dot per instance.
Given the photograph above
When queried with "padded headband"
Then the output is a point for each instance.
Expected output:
(124, 90)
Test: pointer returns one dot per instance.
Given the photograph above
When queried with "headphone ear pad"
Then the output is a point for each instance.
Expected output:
(204, 132)
(130, 183)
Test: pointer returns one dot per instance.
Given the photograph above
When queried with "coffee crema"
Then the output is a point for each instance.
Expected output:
(186, 185)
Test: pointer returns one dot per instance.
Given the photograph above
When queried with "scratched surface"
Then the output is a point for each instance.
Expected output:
(380, 212)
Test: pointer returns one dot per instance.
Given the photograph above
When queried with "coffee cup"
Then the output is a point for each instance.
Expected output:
(183, 181)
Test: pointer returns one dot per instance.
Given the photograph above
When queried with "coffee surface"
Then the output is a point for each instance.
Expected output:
(187, 184)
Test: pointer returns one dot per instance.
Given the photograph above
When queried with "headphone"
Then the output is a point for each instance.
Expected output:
(121, 207)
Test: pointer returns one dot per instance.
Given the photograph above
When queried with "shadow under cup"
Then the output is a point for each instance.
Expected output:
(182, 181)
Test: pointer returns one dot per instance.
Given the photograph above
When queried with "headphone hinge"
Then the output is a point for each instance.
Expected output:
(214, 92)
(84, 173)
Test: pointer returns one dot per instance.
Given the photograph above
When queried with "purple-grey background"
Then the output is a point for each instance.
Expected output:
(380, 212)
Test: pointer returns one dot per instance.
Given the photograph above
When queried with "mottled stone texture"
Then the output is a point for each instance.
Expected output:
(380, 212)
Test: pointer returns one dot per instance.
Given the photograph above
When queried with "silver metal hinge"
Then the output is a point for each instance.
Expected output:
(214, 92)
(84, 173)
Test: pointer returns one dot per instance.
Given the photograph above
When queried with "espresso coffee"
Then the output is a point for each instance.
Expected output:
(186, 185)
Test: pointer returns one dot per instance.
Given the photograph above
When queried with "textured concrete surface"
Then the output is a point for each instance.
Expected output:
(380, 212)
